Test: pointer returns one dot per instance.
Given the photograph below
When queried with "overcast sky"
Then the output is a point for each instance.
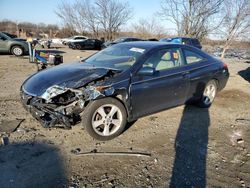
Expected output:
(38, 11)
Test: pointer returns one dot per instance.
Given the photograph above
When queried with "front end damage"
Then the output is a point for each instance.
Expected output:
(62, 105)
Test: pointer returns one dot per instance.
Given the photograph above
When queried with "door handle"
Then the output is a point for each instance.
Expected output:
(185, 75)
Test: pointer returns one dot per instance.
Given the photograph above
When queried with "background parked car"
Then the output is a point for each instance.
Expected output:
(14, 46)
(88, 44)
(120, 40)
(65, 41)
(10, 35)
(183, 40)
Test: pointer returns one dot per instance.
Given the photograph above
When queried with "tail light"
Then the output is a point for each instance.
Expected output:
(225, 66)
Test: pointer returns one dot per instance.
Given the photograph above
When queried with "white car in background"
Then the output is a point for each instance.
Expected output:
(65, 41)
(56, 41)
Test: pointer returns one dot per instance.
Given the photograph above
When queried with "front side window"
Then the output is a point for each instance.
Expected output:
(176, 40)
(192, 57)
(164, 59)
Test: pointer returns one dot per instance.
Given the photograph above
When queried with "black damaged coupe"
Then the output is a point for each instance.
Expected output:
(121, 84)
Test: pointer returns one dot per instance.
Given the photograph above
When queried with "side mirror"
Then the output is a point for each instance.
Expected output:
(146, 71)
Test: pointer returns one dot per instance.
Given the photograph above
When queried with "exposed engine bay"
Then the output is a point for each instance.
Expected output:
(63, 105)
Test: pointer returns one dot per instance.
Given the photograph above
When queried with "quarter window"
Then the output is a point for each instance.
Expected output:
(164, 59)
(192, 57)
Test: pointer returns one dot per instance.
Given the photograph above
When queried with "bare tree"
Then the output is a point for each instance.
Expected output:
(148, 28)
(194, 18)
(66, 12)
(87, 16)
(112, 15)
(236, 23)
(97, 16)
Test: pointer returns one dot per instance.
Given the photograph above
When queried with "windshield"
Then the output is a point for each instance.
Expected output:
(116, 57)
(5, 36)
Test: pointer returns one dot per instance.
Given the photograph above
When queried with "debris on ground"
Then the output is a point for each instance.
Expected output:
(240, 140)
(230, 53)
(110, 153)
(9, 126)
(4, 141)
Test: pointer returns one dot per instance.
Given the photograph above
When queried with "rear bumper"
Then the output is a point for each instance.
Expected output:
(223, 79)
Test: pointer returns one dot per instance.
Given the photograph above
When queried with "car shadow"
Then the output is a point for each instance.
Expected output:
(31, 165)
(128, 125)
(4, 53)
(245, 74)
(189, 169)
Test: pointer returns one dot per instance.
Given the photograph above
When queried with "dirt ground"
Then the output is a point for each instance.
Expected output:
(188, 146)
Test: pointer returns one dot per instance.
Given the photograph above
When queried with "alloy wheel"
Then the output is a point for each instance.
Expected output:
(107, 120)
(17, 51)
(209, 93)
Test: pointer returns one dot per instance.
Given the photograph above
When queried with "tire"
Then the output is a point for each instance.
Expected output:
(17, 50)
(209, 94)
(99, 124)
(78, 47)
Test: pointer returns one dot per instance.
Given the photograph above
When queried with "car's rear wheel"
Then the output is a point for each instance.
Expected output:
(105, 119)
(17, 50)
(209, 94)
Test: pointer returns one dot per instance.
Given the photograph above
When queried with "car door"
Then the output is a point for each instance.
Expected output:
(166, 88)
(3, 44)
(89, 44)
(200, 69)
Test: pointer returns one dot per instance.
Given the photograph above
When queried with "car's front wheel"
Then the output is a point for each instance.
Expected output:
(105, 119)
(78, 47)
(209, 94)
(17, 50)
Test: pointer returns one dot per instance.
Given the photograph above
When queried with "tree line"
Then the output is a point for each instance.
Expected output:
(228, 20)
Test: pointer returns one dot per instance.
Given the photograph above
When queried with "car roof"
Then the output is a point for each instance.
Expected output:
(183, 38)
(149, 44)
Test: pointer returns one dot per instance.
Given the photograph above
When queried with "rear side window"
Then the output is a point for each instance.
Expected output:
(176, 40)
(186, 41)
(192, 57)
(196, 42)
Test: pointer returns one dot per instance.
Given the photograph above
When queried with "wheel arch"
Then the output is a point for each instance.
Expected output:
(121, 97)
(12, 45)
(216, 81)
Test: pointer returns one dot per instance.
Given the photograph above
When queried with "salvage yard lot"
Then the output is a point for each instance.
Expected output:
(188, 145)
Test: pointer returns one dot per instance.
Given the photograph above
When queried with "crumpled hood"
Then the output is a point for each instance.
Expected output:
(71, 75)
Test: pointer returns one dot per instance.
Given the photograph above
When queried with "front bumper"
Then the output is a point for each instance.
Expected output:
(46, 118)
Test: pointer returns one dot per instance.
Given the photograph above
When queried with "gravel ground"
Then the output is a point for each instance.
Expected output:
(188, 146)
